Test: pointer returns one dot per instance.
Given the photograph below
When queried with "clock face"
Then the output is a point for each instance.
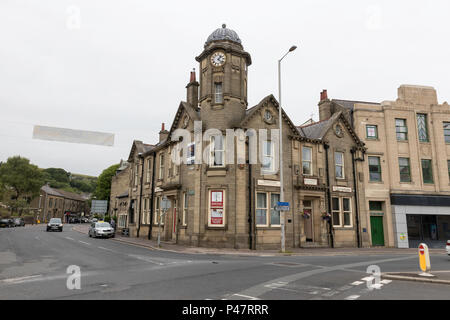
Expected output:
(218, 59)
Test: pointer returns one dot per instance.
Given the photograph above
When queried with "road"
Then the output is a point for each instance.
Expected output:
(33, 265)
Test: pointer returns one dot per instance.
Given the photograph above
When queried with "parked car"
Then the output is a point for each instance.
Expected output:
(6, 223)
(448, 247)
(101, 229)
(55, 224)
(19, 222)
(84, 220)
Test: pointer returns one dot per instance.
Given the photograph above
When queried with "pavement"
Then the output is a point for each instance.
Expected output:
(172, 247)
(35, 264)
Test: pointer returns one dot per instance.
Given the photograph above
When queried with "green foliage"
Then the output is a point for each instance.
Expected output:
(103, 189)
(20, 177)
(107, 219)
(61, 179)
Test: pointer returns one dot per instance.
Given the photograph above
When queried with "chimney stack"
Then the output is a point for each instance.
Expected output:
(192, 91)
(163, 134)
(325, 106)
(324, 95)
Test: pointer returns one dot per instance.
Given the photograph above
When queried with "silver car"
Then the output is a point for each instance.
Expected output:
(101, 229)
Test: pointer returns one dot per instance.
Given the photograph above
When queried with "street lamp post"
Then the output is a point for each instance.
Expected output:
(280, 120)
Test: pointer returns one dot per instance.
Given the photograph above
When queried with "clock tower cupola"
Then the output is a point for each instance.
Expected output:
(223, 79)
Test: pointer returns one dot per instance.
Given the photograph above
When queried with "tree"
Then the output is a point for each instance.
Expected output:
(103, 189)
(22, 179)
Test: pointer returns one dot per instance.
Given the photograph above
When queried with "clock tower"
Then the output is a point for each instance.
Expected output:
(223, 79)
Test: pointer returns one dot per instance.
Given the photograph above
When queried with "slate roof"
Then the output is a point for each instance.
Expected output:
(350, 104)
(62, 193)
(223, 34)
(123, 195)
(317, 130)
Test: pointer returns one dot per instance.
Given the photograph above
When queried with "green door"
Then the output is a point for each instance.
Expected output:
(376, 224)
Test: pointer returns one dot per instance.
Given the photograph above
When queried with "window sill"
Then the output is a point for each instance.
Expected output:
(268, 227)
(377, 182)
(222, 228)
(341, 228)
(372, 139)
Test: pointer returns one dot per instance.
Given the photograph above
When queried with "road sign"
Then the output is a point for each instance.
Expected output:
(99, 206)
(282, 206)
(424, 259)
(165, 203)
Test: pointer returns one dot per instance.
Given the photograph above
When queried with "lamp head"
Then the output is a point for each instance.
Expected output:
(292, 48)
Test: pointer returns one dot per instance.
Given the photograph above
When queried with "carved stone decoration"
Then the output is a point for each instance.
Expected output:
(338, 131)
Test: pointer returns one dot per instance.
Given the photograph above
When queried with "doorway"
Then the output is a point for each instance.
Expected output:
(376, 227)
(308, 220)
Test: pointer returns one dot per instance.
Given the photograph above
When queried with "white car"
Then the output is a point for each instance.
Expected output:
(448, 247)
(101, 229)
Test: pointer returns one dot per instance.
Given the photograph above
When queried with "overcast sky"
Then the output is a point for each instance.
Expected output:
(122, 66)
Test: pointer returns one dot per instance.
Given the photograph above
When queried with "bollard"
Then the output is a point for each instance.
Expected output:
(424, 261)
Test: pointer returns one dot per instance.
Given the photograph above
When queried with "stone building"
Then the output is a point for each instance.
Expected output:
(219, 195)
(406, 176)
(118, 204)
(56, 203)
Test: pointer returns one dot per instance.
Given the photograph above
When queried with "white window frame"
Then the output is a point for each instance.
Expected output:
(136, 175)
(190, 159)
(223, 207)
(270, 156)
(306, 160)
(339, 165)
(341, 212)
(157, 211)
(122, 221)
(213, 151)
(268, 209)
(260, 208)
(161, 166)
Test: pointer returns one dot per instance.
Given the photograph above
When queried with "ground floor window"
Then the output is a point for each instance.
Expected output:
(158, 211)
(185, 209)
(342, 212)
(216, 208)
(122, 221)
(266, 215)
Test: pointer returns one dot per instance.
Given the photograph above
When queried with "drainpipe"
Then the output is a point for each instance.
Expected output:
(330, 226)
(358, 235)
(140, 194)
(252, 242)
(149, 236)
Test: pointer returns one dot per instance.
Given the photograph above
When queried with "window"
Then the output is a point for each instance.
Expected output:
(190, 153)
(375, 205)
(262, 209)
(122, 221)
(135, 175)
(371, 131)
(218, 96)
(401, 129)
(336, 212)
(448, 165)
(307, 161)
(405, 170)
(447, 132)
(50, 203)
(268, 152)
(217, 152)
(374, 169)
(427, 171)
(422, 127)
(216, 208)
(274, 214)
(161, 166)
(185, 208)
(149, 168)
(342, 212)
(339, 164)
(158, 212)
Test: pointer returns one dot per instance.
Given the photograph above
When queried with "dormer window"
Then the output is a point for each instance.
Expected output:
(218, 92)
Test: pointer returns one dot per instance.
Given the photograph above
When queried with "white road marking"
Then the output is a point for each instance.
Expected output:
(84, 242)
(377, 286)
(20, 279)
(244, 296)
(37, 238)
(368, 278)
(357, 283)
(385, 281)
(106, 249)
(344, 288)
(69, 238)
(354, 297)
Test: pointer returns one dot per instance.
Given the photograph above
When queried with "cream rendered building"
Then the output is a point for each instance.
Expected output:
(406, 176)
